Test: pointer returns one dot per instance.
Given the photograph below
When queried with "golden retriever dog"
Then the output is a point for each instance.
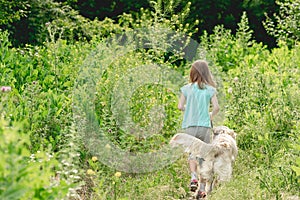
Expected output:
(217, 157)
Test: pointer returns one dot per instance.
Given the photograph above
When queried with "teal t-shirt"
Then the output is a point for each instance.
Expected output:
(197, 105)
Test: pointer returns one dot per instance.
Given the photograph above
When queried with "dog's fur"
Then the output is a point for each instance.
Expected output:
(218, 156)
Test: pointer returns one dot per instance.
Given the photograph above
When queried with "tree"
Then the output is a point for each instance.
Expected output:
(11, 11)
(46, 18)
(286, 26)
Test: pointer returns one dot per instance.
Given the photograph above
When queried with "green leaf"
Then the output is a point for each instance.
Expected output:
(13, 192)
(296, 170)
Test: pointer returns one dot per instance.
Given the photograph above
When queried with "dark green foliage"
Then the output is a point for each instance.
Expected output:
(110, 8)
(27, 21)
(209, 13)
(11, 11)
(285, 25)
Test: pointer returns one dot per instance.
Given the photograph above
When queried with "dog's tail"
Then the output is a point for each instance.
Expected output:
(192, 145)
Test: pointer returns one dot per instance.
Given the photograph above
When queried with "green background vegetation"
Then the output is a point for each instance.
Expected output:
(25, 20)
(44, 45)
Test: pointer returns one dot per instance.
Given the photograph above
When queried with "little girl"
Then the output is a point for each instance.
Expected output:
(195, 100)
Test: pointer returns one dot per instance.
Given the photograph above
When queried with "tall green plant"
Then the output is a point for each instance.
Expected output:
(286, 24)
(24, 175)
(226, 50)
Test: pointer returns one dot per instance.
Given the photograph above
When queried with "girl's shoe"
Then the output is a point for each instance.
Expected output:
(201, 195)
(194, 185)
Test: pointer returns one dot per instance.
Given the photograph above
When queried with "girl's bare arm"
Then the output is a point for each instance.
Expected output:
(216, 107)
(181, 102)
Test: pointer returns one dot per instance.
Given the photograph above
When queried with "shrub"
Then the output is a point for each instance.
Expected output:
(25, 175)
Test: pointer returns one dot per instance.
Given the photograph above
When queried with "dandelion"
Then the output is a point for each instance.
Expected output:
(94, 158)
(90, 172)
(5, 89)
(118, 174)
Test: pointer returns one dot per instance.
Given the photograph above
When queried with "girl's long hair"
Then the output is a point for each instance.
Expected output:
(201, 74)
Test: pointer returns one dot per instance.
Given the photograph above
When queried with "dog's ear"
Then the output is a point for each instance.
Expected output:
(232, 133)
(219, 130)
(225, 145)
(224, 130)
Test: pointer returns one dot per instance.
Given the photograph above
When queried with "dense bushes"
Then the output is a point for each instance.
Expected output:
(261, 102)
(79, 19)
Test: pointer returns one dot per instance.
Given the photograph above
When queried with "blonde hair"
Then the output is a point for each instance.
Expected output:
(200, 73)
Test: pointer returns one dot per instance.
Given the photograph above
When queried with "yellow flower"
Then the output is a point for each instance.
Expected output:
(90, 172)
(118, 174)
(94, 158)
